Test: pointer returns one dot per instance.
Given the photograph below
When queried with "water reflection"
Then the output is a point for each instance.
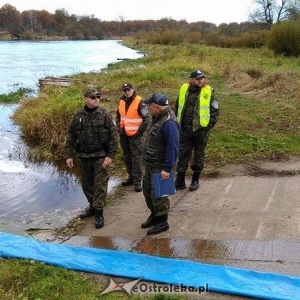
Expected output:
(198, 249)
(45, 195)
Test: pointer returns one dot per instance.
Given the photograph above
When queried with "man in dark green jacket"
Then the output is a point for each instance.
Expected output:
(197, 112)
(93, 136)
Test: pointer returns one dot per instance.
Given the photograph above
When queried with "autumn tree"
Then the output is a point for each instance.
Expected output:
(10, 19)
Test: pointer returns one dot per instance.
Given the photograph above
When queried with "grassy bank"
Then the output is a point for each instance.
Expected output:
(258, 97)
(15, 97)
(29, 280)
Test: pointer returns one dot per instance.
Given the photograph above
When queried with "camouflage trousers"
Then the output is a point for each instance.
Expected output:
(94, 181)
(132, 154)
(159, 206)
(192, 145)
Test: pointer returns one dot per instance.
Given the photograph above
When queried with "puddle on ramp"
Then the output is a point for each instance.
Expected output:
(252, 250)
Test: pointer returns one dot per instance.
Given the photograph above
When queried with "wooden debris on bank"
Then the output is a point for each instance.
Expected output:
(58, 81)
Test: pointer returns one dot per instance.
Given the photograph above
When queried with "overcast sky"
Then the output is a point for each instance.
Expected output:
(213, 11)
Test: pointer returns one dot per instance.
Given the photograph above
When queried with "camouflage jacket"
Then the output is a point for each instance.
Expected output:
(92, 134)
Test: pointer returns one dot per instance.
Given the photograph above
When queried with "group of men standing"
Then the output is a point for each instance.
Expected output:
(151, 135)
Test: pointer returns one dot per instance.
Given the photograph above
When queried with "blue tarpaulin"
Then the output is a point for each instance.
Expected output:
(218, 278)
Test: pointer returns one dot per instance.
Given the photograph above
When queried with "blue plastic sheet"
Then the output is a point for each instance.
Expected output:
(219, 278)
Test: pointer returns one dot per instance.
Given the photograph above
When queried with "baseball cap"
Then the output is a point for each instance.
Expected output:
(157, 98)
(90, 92)
(196, 74)
(127, 86)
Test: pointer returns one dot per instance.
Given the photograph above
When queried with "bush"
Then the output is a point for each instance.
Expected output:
(194, 37)
(167, 37)
(284, 38)
(254, 39)
(251, 39)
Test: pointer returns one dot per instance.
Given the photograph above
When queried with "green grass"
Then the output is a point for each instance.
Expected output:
(15, 97)
(24, 279)
(30, 280)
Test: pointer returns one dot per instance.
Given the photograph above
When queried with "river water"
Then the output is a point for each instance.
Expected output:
(42, 196)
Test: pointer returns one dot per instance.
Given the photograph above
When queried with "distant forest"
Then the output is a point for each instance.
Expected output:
(35, 24)
(274, 26)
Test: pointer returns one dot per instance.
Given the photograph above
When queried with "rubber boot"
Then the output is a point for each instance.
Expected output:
(161, 226)
(88, 213)
(128, 181)
(138, 187)
(195, 181)
(99, 220)
(180, 181)
(152, 220)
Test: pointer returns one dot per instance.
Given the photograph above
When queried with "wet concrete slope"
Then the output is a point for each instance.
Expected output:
(244, 221)
(228, 208)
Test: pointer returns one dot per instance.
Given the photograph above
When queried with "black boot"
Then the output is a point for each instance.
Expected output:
(127, 182)
(99, 220)
(180, 181)
(152, 220)
(161, 226)
(138, 187)
(195, 181)
(88, 213)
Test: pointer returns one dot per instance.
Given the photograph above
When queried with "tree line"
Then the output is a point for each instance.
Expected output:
(283, 15)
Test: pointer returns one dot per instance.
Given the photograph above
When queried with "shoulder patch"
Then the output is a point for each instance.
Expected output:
(215, 104)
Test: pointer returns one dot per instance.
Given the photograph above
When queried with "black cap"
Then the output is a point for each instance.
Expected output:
(196, 74)
(127, 86)
(157, 98)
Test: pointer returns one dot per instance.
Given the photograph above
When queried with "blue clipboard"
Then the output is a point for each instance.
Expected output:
(163, 187)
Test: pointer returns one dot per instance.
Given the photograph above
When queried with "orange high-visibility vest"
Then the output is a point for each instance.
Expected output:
(130, 120)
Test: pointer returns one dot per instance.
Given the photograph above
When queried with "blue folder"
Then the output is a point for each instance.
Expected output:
(163, 187)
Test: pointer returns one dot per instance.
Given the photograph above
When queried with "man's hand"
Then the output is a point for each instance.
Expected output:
(107, 162)
(164, 175)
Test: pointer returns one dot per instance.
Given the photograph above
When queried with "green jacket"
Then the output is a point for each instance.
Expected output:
(189, 111)
(91, 134)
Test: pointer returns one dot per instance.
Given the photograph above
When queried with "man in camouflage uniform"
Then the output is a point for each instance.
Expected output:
(197, 112)
(132, 123)
(93, 135)
(160, 152)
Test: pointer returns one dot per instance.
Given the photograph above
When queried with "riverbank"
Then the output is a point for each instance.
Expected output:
(256, 125)
(250, 96)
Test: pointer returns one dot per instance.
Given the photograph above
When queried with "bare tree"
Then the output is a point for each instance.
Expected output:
(294, 10)
(272, 11)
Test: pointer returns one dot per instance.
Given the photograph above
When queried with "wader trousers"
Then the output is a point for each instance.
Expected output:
(187, 146)
(132, 153)
(158, 206)
(94, 181)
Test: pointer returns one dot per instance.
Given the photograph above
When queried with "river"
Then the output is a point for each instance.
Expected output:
(42, 196)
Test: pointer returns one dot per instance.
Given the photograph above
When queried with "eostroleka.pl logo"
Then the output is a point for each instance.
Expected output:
(127, 287)
(152, 287)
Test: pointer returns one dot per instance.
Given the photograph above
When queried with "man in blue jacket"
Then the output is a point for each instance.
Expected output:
(160, 152)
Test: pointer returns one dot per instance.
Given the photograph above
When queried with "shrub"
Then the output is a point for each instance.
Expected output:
(194, 37)
(285, 38)
(167, 37)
